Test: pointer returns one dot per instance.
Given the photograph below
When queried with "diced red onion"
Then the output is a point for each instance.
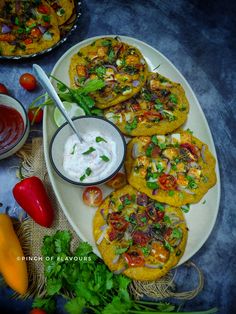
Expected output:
(203, 153)
(5, 29)
(119, 271)
(135, 83)
(177, 242)
(135, 151)
(111, 67)
(103, 227)
(108, 97)
(76, 80)
(154, 192)
(193, 164)
(174, 218)
(127, 236)
(180, 188)
(153, 266)
(102, 213)
(142, 61)
(116, 259)
(99, 241)
(42, 29)
(184, 207)
(168, 168)
(47, 36)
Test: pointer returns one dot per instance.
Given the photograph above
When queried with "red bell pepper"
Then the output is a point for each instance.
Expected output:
(31, 195)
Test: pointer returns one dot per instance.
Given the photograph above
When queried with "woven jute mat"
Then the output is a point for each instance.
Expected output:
(31, 236)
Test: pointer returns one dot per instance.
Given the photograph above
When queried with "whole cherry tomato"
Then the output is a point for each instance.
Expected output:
(28, 81)
(92, 196)
(35, 115)
(118, 181)
(3, 89)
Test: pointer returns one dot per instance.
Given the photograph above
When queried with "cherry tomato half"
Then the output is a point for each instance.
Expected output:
(28, 41)
(3, 89)
(118, 222)
(118, 181)
(134, 258)
(191, 148)
(28, 81)
(35, 116)
(140, 238)
(38, 311)
(167, 182)
(35, 32)
(43, 9)
(92, 196)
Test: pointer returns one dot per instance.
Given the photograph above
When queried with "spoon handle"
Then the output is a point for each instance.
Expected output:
(47, 85)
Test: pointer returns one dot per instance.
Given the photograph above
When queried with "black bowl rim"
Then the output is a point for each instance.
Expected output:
(26, 124)
(60, 42)
(90, 183)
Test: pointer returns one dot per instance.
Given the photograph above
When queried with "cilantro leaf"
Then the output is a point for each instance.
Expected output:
(104, 158)
(75, 306)
(100, 139)
(89, 151)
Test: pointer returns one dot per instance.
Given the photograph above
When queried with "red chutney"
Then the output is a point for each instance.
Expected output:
(11, 127)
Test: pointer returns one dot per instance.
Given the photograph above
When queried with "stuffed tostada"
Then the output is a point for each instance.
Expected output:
(121, 66)
(159, 108)
(138, 236)
(176, 169)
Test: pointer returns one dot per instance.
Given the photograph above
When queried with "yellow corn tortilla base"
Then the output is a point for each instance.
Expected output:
(179, 198)
(107, 249)
(99, 102)
(163, 126)
(68, 6)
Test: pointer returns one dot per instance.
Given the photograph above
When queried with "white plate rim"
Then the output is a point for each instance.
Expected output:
(46, 146)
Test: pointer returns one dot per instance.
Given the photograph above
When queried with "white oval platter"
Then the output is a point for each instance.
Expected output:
(201, 217)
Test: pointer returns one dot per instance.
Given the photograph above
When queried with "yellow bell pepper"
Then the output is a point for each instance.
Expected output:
(12, 266)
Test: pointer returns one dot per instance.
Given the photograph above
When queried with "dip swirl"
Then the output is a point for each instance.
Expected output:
(90, 161)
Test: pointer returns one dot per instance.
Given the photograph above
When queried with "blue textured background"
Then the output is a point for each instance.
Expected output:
(199, 38)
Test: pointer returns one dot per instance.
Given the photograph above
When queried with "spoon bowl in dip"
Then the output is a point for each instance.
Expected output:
(94, 161)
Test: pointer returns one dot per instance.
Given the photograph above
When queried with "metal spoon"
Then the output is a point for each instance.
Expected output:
(47, 85)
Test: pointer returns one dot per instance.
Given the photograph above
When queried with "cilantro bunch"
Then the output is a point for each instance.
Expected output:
(80, 96)
(93, 287)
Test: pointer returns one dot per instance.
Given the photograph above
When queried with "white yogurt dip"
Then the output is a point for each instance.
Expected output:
(90, 161)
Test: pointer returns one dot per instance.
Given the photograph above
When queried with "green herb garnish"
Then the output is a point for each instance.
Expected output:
(100, 139)
(173, 98)
(73, 149)
(171, 193)
(177, 233)
(104, 158)
(121, 250)
(132, 125)
(152, 185)
(82, 177)
(88, 171)
(89, 151)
